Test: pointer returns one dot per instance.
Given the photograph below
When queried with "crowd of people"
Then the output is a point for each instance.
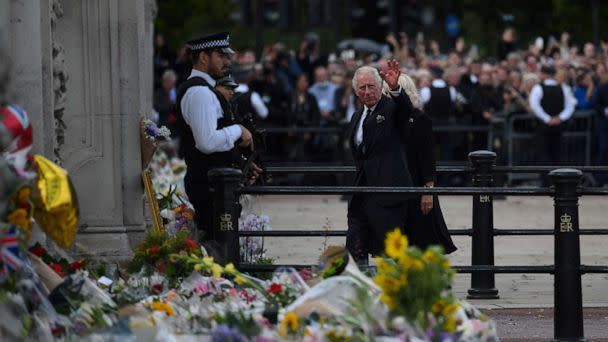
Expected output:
(307, 87)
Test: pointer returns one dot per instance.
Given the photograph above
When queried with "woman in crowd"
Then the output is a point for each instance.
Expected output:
(425, 225)
(304, 112)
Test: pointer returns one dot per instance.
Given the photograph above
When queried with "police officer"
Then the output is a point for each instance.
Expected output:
(553, 104)
(209, 132)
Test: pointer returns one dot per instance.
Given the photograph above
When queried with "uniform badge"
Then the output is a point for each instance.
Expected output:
(380, 118)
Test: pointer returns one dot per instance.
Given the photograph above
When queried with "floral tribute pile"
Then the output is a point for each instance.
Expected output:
(172, 290)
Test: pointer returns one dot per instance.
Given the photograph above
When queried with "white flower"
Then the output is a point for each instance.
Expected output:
(164, 132)
(168, 214)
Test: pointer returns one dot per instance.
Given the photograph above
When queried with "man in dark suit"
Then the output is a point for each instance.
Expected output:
(377, 143)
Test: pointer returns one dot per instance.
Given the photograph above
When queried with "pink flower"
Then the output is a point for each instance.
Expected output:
(201, 288)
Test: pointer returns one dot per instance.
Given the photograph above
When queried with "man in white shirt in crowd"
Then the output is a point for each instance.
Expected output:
(553, 104)
(209, 134)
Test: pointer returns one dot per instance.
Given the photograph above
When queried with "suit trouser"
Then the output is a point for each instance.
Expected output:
(197, 189)
(368, 224)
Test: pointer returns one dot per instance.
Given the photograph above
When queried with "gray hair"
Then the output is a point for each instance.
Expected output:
(365, 70)
(408, 85)
(169, 75)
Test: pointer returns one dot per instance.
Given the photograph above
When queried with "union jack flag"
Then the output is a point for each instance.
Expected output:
(10, 251)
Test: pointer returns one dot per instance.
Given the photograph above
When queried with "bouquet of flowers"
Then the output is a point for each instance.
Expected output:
(415, 284)
(150, 133)
(252, 248)
(155, 133)
(61, 266)
(178, 218)
(153, 254)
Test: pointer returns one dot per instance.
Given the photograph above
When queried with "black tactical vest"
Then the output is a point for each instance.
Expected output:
(440, 106)
(553, 99)
(195, 159)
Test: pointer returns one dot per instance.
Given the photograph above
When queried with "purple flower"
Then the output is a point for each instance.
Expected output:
(224, 333)
(152, 129)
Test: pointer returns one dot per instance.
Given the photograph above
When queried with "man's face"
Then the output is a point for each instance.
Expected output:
(168, 83)
(476, 69)
(368, 91)
(218, 64)
(227, 92)
(320, 75)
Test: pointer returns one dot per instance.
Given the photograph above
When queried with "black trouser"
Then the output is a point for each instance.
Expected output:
(368, 224)
(198, 191)
(551, 136)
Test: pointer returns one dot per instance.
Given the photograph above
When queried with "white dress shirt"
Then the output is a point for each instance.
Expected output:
(201, 109)
(537, 94)
(425, 93)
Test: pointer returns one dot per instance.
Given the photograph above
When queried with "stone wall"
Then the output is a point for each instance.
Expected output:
(83, 72)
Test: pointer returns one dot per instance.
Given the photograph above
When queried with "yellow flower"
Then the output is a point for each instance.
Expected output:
(388, 300)
(230, 268)
(450, 324)
(164, 307)
(291, 320)
(383, 265)
(198, 267)
(395, 243)
(208, 261)
(438, 307)
(19, 218)
(430, 257)
(23, 194)
(289, 324)
(405, 261)
(445, 265)
(216, 270)
(239, 279)
(388, 284)
(449, 309)
(417, 265)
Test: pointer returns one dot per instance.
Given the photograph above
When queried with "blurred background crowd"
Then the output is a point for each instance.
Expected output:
(302, 95)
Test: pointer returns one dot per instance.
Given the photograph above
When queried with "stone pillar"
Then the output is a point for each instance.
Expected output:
(83, 72)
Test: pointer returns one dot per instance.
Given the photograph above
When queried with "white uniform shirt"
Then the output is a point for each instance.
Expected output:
(425, 93)
(256, 101)
(537, 94)
(201, 110)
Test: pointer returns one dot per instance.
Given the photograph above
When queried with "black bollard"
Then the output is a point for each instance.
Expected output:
(567, 293)
(482, 282)
(226, 212)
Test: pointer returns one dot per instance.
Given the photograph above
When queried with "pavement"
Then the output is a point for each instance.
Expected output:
(524, 311)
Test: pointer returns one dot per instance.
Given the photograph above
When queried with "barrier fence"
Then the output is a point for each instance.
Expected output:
(514, 136)
(567, 269)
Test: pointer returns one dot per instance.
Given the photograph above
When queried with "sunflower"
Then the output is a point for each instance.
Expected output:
(388, 300)
(430, 257)
(164, 307)
(289, 324)
(395, 244)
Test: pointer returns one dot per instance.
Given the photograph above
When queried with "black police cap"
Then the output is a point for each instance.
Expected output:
(219, 41)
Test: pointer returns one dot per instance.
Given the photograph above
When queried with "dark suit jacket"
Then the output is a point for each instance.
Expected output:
(382, 159)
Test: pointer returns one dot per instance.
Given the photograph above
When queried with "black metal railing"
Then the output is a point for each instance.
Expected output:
(567, 268)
